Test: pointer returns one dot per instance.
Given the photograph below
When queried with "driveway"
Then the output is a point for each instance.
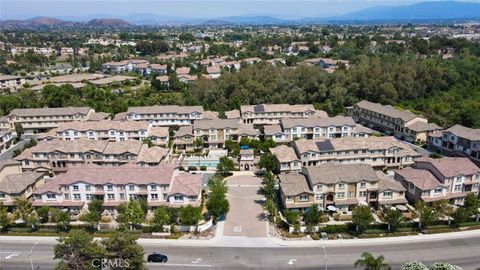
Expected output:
(245, 217)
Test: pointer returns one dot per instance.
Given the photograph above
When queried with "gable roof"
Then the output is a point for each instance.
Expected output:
(293, 184)
(332, 173)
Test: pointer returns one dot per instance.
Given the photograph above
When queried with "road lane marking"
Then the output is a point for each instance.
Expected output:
(237, 229)
(292, 261)
(11, 256)
(180, 265)
(197, 260)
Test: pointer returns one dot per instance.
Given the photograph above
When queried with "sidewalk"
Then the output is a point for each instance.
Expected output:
(270, 241)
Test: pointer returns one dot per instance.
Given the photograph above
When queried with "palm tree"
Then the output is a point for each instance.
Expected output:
(369, 262)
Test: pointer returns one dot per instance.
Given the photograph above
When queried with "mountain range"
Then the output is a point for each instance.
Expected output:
(420, 12)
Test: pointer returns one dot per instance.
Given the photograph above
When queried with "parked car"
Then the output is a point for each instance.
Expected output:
(156, 257)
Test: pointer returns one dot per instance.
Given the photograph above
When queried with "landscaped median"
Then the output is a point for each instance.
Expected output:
(349, 230)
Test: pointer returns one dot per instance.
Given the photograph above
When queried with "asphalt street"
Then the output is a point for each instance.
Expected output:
(464, 252)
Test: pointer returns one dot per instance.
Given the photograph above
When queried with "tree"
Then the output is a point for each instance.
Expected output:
(362, 217)
(78, 251)
(369, 262)
(271, 209)
(461, 215)
(471, 203)
(291, 216)
(426, 216)
(121, 210)
(268, 186)
(312, 215)
(394, 218)
(414, 266)
(160, 218)
(23, 208)
(134, 213)
(198, 144)
(444, 266)
(43, 213)
(62, 218)
(190, 215)
(123, 246)
(225, 166)
(268, 162)
(94, 214)
(4, 220)
(217, 204)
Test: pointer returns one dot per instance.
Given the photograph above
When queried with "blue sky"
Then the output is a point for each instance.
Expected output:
(81, 9)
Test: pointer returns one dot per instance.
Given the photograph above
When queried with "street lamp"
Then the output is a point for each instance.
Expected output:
(326, 258)
(30, 254)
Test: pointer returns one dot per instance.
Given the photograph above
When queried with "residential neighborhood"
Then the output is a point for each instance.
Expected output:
(240, 135)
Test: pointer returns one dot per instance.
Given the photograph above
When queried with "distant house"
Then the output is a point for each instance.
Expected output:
(403, 124)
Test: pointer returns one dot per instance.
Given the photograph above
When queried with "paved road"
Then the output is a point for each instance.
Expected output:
(245, 217)
(5, 156)
(463, 252)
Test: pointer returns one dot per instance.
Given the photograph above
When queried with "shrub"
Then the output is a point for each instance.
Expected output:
(203, 168)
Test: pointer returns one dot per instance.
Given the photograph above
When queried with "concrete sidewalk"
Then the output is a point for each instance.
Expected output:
(239, 241)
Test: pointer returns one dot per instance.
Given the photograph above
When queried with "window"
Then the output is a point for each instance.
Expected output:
(122, 196)
(153, 187)
(178, 198)
(76, 196)
(109, 187)
(362, 194)
(111, 196)
(350, 194)
(341, 195)
(458, 187)
(289, 198)
(319, 197)
(387, 194)
(437, 191)
(319, 187)
(88, 187)
(51, 196)
(363, 185)
(75, 187)
(341, 186)
(303, 198)
(131, 187)
(2, 196)
(89, 197)
(154, 196)
(458, 179)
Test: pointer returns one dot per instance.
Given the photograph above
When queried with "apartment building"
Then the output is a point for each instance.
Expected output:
(272, 113)
(122, 66)
(162, 185)
(379, 152)
(43, 119)
(402, 124)
(314, 128)
(19, 185)
(431, 180)
(184, 139)
(212, 133)
(456, 141)
(343, 186)
(158, 115)
(11, 82)
(6, 137)
(61, 155)
(287, 159)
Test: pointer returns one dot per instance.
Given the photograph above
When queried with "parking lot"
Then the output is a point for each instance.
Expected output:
(245, 217)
